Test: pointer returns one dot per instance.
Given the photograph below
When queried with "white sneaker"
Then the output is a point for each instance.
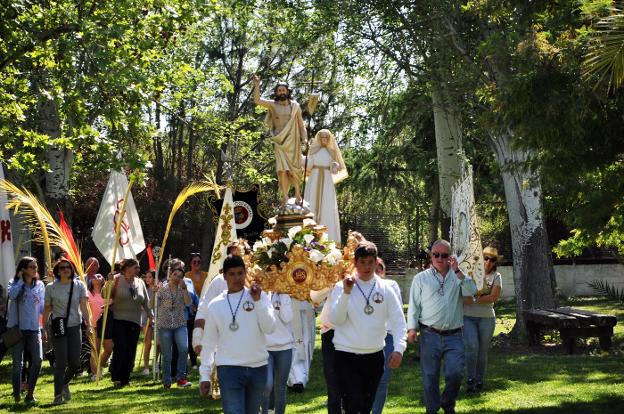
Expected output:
(146, 372)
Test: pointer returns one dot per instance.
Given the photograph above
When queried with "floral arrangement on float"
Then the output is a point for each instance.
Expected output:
(297, 261)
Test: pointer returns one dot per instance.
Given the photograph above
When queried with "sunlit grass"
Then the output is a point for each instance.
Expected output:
(542, 380)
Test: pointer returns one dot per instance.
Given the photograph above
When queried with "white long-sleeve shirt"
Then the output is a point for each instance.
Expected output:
(245, 346)
(215, 288)
(282, 337)
(397, 291)
(359, 333)
(319, 296)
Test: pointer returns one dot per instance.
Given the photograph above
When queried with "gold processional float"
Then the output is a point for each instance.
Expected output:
(295, 256)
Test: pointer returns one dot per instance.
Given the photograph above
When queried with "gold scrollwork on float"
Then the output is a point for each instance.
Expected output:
(299, 275)
(226, 229)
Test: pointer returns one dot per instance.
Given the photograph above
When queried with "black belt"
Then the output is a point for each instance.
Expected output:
(440, 332)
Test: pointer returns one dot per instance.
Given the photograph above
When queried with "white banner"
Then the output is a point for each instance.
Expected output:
(226, 234)
(465, 234)
(7, 258)
(130, 241)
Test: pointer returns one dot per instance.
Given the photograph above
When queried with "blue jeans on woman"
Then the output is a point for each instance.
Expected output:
(478, 334)
(278, 369)
(241, 388)
(382, 388)
(435, 348)
(31, 344)
(167, 336)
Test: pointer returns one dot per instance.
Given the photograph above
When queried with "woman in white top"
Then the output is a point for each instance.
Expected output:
(480, 321)
(326, 168)
(280, 345)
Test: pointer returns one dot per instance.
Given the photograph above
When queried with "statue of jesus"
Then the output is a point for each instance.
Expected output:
(285, 121)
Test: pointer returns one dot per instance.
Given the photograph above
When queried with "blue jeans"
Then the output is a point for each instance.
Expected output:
(382, 388)
(435, 348)
(167, 336)
(30, 344)
(477, 337)
(277, 376)
(241, 388)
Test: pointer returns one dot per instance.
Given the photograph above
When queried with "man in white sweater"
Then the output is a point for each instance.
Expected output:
(236, 324)
(359, 309)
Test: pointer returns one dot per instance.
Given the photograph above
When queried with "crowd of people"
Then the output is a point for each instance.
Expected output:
(243, 337)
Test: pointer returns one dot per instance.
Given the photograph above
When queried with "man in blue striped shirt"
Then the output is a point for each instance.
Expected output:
(436, 310)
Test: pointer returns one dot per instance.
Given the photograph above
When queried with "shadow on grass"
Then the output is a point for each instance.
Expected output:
(604, 403)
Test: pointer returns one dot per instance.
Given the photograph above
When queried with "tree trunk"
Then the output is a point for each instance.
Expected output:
(159, 167)
(59, 159)
(449, 147)
(533, 271)
(434, 214)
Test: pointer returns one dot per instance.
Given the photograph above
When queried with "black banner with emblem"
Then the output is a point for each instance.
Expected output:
(250, 222)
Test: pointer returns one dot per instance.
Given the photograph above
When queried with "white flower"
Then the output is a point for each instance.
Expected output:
(257, 245)
(266, 242)
(332, 246)
(287, 241)
(316, 256)
(308, 238)
(292, 232)
(272, 221)
(334, 256)
(309, 222)
(324, 237)
(270, 252)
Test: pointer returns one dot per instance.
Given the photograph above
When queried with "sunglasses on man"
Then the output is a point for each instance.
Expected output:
(443, 255)
(489, 259)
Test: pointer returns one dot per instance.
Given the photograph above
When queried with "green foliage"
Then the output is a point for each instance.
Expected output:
(604, 61)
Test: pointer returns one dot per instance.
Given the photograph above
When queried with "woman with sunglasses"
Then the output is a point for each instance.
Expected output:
(172, 298)
(67, 295)
(130, 296)
(27, 295)
(480, 321)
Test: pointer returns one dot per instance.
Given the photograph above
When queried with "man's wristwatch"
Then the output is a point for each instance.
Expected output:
(458, 271)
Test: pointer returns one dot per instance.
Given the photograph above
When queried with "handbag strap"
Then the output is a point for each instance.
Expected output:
(71, 291)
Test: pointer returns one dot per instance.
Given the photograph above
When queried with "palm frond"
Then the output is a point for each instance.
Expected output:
(188, 191)
(34, 214)
(607, 289)
(605, 57)
(43, 226)
(41, 223)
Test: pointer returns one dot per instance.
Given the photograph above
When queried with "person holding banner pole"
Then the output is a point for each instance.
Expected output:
(129, 297)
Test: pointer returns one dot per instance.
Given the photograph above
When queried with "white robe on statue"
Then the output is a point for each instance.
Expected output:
(320, 192)
(304, 332)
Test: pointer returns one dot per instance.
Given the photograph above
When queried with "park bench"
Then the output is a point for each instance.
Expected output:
(571, 323)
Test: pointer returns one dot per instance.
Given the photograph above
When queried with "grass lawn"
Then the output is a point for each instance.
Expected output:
(540, 380)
